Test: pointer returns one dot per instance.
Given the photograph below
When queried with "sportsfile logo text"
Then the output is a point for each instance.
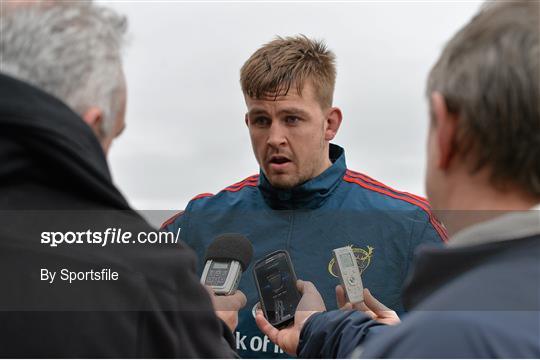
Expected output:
(107, 237)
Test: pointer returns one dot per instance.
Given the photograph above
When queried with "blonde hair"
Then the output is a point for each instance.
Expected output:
(290, 61)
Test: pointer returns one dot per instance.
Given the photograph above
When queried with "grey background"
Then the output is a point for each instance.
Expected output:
(185, 132)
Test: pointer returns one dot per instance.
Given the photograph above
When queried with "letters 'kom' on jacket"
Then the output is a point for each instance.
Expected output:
(337, 208)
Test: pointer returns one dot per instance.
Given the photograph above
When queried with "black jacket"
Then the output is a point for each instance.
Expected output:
(54, 177)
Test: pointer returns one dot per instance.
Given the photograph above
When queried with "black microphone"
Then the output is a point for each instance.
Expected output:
(225, 260)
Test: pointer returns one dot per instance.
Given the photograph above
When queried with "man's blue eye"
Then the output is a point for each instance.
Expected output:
(291, 119)
(261, 121)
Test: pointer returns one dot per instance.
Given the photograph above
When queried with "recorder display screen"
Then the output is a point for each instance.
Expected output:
(346, 260)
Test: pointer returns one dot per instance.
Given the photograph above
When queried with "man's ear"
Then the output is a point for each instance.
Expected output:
(93, 117)
(445, 127)
(333, 122)
(246, 120)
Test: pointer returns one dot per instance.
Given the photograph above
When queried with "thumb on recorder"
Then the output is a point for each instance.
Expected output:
(370, 306)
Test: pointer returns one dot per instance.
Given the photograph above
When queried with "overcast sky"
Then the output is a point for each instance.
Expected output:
(185, 132)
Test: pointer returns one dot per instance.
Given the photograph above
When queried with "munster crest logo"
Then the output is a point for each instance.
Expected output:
(363, 259)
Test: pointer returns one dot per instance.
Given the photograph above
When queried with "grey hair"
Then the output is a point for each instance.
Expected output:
(489, 75)
(71, 50)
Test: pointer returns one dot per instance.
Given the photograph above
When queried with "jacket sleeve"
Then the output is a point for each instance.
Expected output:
(422, 334)
(335, 334)
(199, 326)
(440, 334)
(180, 321)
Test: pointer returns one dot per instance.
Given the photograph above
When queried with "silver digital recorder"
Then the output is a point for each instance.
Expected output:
(349, 274)
(222, 276)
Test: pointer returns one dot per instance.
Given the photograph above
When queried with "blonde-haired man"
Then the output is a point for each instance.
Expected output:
(304, 199)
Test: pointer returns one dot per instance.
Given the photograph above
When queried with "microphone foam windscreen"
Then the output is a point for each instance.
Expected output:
(226, 247)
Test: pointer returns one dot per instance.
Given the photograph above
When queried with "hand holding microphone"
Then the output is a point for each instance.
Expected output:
(226, 307)
(226, 258)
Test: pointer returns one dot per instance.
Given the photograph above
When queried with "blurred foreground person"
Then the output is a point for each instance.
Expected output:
(62, 102)
(480, 296)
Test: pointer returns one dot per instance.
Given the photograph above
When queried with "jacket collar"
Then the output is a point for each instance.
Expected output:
(509, 225)
(435, 268)
(42, 141)
(311, 194)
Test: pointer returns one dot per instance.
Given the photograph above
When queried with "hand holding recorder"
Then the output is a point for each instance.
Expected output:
(289, 337)
(312, 303)
(370, 306)
(226, 258)
(226, 307)
(350, 295)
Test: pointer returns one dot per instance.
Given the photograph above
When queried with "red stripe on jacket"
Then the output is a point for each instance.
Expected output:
(378, 183)
(203, 195)
(249, 181)
(405, 197)
(172, 219)
(235, 189)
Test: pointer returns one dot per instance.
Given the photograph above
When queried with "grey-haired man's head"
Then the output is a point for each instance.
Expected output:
(72, 50)
(484, 94)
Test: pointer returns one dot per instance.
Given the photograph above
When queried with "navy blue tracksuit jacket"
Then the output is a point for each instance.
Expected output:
(339, 207)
